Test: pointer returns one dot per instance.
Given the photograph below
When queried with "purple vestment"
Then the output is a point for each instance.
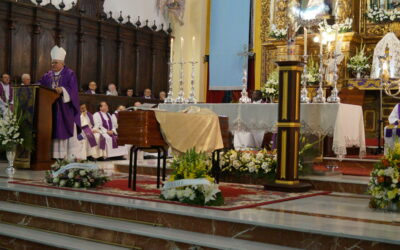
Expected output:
(89, 92)
(3, 94)
(65, 115)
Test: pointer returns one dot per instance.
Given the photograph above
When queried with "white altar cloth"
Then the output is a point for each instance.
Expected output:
(342, 121)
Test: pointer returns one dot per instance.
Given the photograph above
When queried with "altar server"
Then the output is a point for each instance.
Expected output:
(104, 123)
(66, 115)
(87, 137)
(6, 93)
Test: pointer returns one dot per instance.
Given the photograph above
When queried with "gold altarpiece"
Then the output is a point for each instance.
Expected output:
(363, 31)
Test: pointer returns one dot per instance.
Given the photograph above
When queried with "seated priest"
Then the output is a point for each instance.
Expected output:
(26, 79)
(87, 137)
(107, 137)
(129, 93)
(112, 90)
(6, 93)
(147, 94)
(92, 88)
(66, 114)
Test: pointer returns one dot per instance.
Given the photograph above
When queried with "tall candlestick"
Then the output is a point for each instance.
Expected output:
(320, 41)
(172, 50)
(182, 41)
(305, 41)
(193, 47)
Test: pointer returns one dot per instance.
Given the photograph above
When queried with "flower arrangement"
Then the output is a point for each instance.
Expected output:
(75, 174)
(271, 87)
(359, 63)
(259, 164)
(342, 27)
(278, 33)
(10, 135)
(312, 75)
(190, 182)
(380, 15)
(384, 183)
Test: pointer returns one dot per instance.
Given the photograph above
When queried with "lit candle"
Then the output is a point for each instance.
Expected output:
(305, 41)
(171, 50)
(193, 46)
(182, 41)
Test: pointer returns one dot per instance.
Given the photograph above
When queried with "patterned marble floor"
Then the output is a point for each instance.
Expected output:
(337, 214)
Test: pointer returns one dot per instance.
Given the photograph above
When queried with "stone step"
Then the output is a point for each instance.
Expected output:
(116, 231)
(246, 224)
(32, 239)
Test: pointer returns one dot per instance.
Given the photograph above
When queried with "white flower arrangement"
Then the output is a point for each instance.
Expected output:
(360, 62)
(278, 33)
(76, 175)
(190, 183)
(260, 164)
(271, 87)
(380, 15)
(312, 75)
(10, 134)
(342, 27)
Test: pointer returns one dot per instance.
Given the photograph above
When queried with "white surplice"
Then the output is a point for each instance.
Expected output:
(86, 149)
(109, 150)
(4, 105)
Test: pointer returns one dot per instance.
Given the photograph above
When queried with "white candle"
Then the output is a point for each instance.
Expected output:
(171, 50)
(305, 41)
(336, 39)
(182, 41)
(193, 47)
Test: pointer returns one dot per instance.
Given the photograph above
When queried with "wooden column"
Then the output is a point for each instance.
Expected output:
(288, 129)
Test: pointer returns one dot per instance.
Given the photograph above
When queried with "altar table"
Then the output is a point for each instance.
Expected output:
(342, 121)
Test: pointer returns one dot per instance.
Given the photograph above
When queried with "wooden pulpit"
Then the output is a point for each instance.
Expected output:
(37, 103)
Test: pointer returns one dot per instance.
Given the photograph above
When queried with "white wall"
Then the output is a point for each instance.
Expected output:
(146, 9)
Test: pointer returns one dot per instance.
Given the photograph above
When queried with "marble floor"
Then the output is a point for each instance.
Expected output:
(336, 214)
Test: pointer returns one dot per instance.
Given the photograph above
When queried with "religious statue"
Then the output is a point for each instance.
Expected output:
(174, 8)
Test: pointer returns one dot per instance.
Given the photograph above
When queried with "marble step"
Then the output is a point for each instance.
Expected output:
(48, 240)
(129, 233)
(247, 224)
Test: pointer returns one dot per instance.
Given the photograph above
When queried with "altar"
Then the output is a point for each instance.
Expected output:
(344, 122)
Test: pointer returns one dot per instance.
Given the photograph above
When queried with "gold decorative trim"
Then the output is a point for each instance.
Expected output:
(288, 125)
(283, 154)
(296, 153)
(285, 95)
(291, 68)
(297, 95)
(287, 182)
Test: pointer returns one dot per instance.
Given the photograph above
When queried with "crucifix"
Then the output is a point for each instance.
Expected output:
(245, 54)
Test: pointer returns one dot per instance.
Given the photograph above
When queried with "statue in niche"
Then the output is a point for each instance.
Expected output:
(317, 5)
(172, 8)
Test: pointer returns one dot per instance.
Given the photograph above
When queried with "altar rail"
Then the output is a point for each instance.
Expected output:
(98, 48)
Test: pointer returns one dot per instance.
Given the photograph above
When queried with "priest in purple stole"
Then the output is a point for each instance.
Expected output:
(66, 115)
(107, 139)
(87, 137)
(6, 94)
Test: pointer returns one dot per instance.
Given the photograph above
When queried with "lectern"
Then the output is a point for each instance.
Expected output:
(37, 102)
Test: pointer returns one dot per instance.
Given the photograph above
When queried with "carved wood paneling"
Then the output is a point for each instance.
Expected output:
(98, 49)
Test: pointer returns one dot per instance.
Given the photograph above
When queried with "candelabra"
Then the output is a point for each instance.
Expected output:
(334, 97)
(170, 98)
(319, 98)
(245, 97)
(181, 95)
(192, 97)
(304, 92)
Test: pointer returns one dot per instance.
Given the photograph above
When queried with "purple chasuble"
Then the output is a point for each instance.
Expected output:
(108, 125)
(65, 115)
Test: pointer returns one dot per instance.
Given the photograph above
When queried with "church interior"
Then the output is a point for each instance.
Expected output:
(199, 124)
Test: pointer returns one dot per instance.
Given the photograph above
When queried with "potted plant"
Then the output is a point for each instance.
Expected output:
(359, 63)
